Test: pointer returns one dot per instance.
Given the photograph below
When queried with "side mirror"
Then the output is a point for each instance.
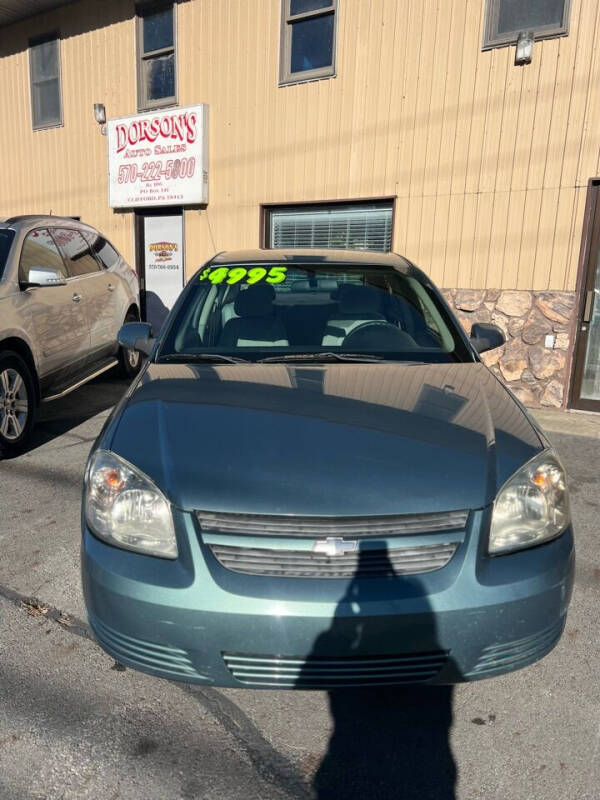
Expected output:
(137, 336)
(485, 336)
(44, 276)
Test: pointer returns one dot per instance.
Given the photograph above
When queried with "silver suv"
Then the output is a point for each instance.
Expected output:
(64, 293)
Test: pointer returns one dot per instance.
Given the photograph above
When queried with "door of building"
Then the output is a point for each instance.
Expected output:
(586, 376)
(161, 263)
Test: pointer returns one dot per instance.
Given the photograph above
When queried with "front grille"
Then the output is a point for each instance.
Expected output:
(306, 564)
(317, 672)
(319, 527)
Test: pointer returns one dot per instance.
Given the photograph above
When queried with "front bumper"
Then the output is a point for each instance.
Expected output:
(193, 620)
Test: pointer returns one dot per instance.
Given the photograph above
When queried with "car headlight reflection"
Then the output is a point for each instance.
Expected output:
(125, 508)
(532, 507)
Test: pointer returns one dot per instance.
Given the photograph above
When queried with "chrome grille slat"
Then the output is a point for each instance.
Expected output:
(306, 564)
(317, 672)
(318, 527)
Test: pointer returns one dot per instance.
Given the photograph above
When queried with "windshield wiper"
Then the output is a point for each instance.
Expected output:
(327, 356)
(189, 357)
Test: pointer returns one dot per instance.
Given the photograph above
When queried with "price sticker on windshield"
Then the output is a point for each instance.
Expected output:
(249, 275)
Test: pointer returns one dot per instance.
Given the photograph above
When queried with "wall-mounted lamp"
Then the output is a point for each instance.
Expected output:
(100, 116)
(524, 49)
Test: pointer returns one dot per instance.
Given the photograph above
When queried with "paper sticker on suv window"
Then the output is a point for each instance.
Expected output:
(247, 275)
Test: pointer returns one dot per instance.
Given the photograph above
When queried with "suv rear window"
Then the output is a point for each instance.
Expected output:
(102, 249)
(6, 239)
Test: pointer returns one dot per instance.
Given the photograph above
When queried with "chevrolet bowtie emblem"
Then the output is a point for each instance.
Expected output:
(333, 546)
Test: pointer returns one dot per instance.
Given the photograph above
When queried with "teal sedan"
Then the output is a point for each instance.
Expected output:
(315, 482)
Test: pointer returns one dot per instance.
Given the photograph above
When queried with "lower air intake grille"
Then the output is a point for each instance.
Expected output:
(318, 527)
(306, 564)
(326, 673)
(500, 658)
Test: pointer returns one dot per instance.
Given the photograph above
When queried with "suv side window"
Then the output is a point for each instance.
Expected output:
(101, 248)
(79, 257)
(39, 250)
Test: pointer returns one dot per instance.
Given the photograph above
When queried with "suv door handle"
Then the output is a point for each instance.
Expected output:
(111, 287)
(76, 298)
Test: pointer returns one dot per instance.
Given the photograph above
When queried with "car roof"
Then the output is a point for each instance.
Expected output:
(306, 256)
(31, 220)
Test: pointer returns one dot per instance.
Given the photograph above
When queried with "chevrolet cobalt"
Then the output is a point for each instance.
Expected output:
(315, 482)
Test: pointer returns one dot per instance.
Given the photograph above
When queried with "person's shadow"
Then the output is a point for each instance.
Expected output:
(388, 741)
(156, 311)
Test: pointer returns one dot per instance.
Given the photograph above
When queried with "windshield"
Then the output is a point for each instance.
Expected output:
(6, 238)
(311, 312)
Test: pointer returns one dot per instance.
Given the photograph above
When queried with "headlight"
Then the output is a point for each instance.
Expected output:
(124, 507)
(532, 507)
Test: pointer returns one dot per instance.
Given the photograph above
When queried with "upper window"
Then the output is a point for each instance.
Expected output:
(40, 252)
(44, 71)
(156, 56)
(76, 251)
(345, 226)
(308, 32)
(505, 19)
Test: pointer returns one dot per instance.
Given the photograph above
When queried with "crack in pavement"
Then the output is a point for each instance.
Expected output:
(268, 762)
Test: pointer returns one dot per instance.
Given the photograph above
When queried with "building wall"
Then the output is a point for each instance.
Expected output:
(489, 162)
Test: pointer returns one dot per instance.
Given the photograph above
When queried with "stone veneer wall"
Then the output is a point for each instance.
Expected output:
(536, 373)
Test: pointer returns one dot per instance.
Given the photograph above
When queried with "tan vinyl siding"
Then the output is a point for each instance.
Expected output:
(489, 162)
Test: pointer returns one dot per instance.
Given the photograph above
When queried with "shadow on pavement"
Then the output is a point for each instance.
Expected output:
(58, 417)
(388, 741)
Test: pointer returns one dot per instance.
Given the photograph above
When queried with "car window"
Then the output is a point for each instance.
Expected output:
(40, 250)
(6, 239)
(102, 248)
(77, 252)
(255, 311)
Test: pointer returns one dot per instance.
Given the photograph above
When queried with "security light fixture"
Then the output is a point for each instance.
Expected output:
(100, 113)
(524, 49)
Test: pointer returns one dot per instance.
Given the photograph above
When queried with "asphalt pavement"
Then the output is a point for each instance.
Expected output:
(73, 725)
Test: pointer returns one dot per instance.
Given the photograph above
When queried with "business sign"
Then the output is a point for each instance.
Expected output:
(159, 158)
(163, 265)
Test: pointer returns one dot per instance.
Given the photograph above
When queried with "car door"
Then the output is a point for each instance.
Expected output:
(55, 316)
(116, 280)
(91, 282)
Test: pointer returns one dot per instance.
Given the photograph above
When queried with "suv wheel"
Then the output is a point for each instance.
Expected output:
(130, 361)
(17, 403)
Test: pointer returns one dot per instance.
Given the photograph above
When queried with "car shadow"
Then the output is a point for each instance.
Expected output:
(59, 417)
(388, 741)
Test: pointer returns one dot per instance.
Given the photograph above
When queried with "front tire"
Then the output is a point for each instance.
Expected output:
(17, 403)
(130, 361)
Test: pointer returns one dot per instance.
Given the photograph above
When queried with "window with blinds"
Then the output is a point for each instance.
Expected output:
(357, 226)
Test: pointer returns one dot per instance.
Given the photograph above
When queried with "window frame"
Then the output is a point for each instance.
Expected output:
(266, 210)
(142, 10)
(52, 36)
(286, 76)
(492, 39)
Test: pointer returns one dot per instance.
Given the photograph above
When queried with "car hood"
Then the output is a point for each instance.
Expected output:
(340, 439)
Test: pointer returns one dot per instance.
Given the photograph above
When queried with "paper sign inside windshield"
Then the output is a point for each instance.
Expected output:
(248, 275)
